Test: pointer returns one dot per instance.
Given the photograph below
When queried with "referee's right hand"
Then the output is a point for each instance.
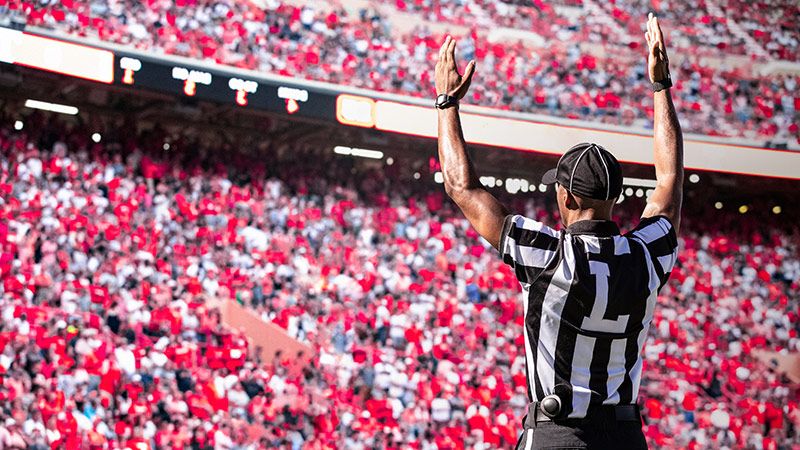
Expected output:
(667, 197)
(447, 79)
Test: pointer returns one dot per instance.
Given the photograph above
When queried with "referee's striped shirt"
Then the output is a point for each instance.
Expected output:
(588, 295)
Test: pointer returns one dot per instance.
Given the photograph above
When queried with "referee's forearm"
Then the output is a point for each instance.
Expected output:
(457, 170)
(668, 138)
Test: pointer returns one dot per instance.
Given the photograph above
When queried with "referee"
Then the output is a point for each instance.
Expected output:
(588, 291)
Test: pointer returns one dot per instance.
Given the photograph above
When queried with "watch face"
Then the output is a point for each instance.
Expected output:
(444, 100)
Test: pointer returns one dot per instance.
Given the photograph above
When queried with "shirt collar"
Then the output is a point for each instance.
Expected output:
(594, 227)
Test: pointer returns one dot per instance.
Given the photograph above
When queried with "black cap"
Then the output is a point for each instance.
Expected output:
(588, 170)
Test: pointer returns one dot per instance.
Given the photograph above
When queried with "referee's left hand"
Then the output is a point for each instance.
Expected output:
(657, 60)
(447, 79)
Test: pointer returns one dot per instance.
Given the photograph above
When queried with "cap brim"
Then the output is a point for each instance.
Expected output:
(549, 177)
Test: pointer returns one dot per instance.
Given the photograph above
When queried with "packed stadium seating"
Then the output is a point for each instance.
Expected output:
(114, 251)
(323, 42)
(771, 23)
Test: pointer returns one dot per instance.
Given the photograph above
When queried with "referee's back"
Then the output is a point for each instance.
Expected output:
(588, 295)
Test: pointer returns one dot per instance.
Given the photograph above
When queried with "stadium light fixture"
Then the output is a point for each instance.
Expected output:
(438, 177)
(416, 175)
(389, 161)
(364, 153)
(639, 193)
(694, 178)
(96, 137)
(743, 209)
(718, 205)
(517, 185)
(776, 209)
(512, 185)
(52, 107)
(18, 125)
(360, 152)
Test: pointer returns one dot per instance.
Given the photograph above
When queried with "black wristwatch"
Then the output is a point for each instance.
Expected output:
(666, 83)
(444, 101)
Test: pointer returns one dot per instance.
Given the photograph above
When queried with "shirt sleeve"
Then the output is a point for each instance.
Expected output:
(527, 245)
(658, 236)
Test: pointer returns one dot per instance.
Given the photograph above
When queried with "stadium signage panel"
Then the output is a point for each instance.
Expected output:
(237, 84)
(135, 70)
(10, 40)
(287, 93)
(190, 79)
(52, 55)
(130, 63)
(242, 88)
(355, 110)
(195, 76)
(129, 66)
(219, 85)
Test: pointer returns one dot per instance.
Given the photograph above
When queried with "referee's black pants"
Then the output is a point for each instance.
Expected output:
(595, 432)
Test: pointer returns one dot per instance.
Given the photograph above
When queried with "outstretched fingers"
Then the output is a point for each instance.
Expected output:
(652, 44)
(654, 36)
(466, 80)
(659, 34)
(443, 48)
(469, 71)
(451, 54)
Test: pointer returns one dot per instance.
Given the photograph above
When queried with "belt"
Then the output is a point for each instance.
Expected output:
(612, 413)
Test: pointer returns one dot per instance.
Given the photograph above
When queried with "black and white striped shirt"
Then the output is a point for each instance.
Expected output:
(588, 295)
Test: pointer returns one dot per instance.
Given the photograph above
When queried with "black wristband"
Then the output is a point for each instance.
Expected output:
(666, 83)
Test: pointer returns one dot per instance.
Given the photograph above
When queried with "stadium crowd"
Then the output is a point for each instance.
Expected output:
(115, 253)
(321, 41)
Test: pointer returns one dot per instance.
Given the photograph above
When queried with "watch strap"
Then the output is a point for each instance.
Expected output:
(444, 101)
(666, 83)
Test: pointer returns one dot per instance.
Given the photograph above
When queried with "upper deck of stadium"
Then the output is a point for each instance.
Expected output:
(735, 62)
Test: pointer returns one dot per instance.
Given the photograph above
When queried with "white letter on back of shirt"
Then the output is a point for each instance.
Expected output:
(595, 321)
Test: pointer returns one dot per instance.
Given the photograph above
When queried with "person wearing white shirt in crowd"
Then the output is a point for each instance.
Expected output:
(440, 410)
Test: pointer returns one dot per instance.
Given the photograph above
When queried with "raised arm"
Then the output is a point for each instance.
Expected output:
(668, 139)
(461, 182)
